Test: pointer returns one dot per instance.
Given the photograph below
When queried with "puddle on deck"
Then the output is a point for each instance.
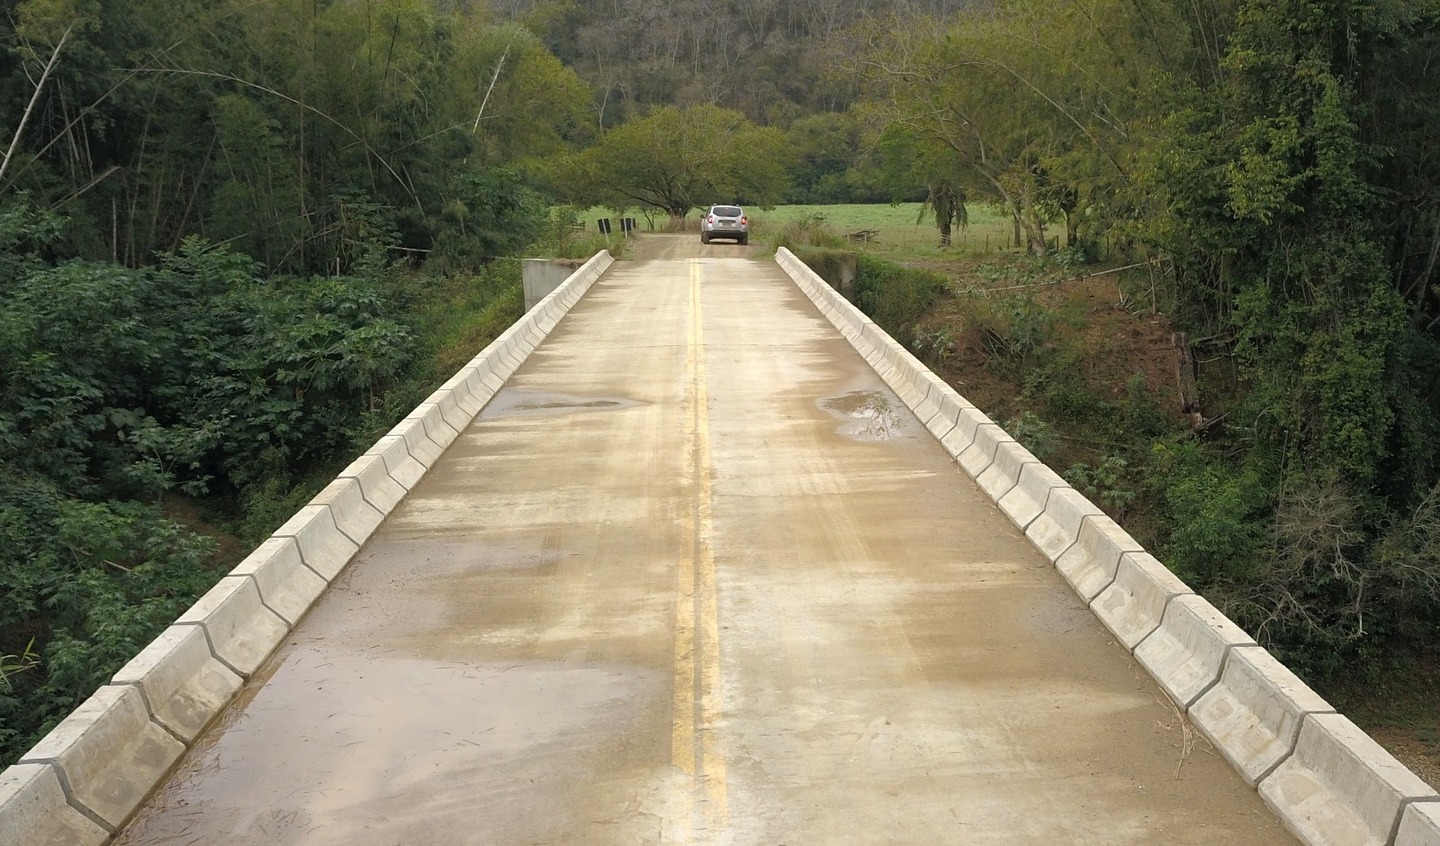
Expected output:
(520, 401)
(868, 415)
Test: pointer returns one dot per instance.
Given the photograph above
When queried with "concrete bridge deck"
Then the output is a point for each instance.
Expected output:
(695, 575)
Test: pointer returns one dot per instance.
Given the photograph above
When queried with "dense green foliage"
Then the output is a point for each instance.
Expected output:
(1285, 172)
(313, 137)
(208, 217)
(1271, 160)
(771, 60)
(676, 160)
(125, 387)
(894, 296)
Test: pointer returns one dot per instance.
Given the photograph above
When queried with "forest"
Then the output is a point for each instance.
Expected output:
(239, 240)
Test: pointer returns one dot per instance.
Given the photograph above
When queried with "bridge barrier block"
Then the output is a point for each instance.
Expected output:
(508, 358)
(184, 685)
(518, 340)
(323, 547)
(376, 484)
(853, 315)
(242, 631)
(492, 382)
(470, 392)
(530, 330)
(109, 753)
(1340, 787)
(929, 407)
(286, 585)
(903, 374)
(417, 441)
(1003, 472)
(487, 357)
(450, 410)
(353, 516)
(883, 363)
(1419, 825)
(1058, 526)
(1254, 713)
(962, 436)
(869, 346)
(978, 456)
(33, 811)
(1131, 608)
(889, 367)
(433, 419)
(876, 339)
(1185, 655)
(393, 450)
(909, 384)
(519, 346)
(1030, 496)
(947, 414)
(1089, 565)
(486, 382)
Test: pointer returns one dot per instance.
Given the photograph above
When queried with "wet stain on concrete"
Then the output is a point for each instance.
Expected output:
(514, 402)
(868, 415)
(331, 752)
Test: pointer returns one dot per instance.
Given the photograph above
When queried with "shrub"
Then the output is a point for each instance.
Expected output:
(895, 297)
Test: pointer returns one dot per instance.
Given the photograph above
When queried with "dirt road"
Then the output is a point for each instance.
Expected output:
(696, 576)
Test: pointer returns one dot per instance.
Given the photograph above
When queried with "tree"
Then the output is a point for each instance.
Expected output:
(680, 159)
(910, 164)
(1034, 103)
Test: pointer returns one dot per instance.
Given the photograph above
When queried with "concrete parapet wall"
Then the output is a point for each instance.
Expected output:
(33, 809)
(1254, 713)
(1420, 825)
(1325, 779)
(1339, 787)
(1185, 654)
(1089, 564)
(540, 277)
(1002, 474)
(1030, 496)
(108, 755)
(182, 682)
(83, 781)
(241, 630)
(1058, 527)
(287, 587)
(1131, 608)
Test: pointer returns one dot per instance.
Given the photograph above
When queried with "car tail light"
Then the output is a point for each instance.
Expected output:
(710, 219)
(744, 220)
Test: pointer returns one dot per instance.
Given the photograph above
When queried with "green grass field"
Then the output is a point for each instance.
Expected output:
(898, 233)
(898, 237)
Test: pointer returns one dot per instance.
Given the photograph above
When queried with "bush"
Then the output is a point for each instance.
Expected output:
(895, 297)
(808, 231)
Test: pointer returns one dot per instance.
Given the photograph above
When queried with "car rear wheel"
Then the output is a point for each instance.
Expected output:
(743, 239)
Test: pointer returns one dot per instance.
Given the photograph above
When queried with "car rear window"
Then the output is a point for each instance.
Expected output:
(726, 211)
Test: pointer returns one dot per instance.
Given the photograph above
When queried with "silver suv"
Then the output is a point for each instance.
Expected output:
(725, 222)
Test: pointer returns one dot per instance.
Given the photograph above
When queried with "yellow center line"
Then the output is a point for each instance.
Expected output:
(695, 744)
